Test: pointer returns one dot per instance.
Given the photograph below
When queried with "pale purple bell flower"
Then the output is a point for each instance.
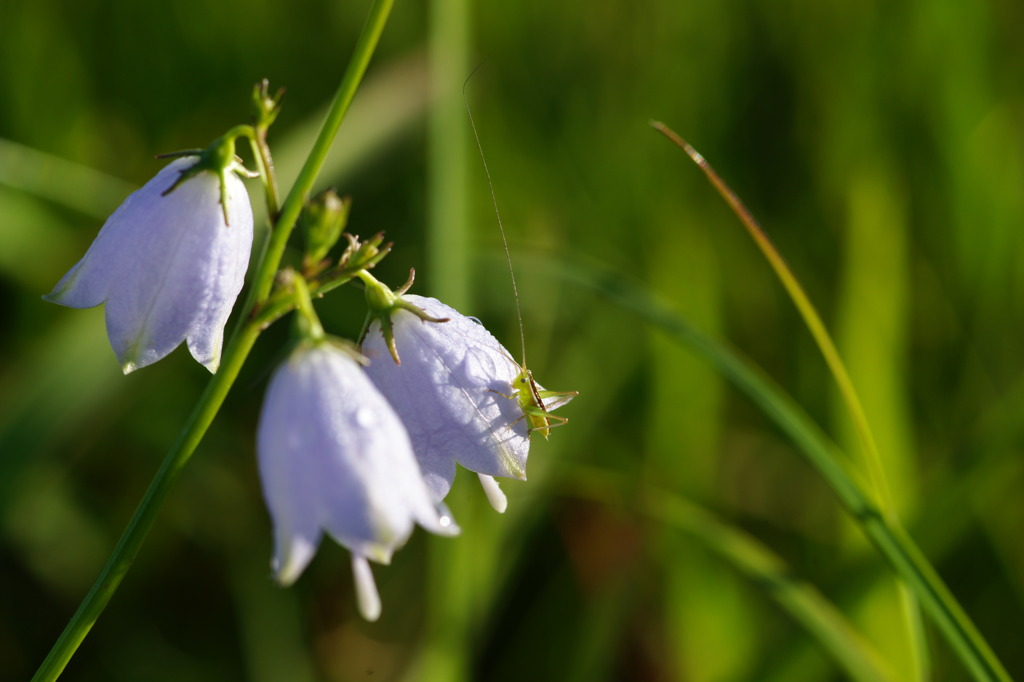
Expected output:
(335, 458)
(451, 392)
(168, 266)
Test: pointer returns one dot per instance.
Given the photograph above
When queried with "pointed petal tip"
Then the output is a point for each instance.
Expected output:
(296, 556)
(130, 361)
(284, 581)
(59, 296)
(58, 293)
(287, 575)
(378, 552)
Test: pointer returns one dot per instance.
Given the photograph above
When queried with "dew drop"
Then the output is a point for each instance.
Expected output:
(365, 417)
(445, 519)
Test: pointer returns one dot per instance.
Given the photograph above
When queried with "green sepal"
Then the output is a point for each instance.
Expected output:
(382, 303)
(219, 158)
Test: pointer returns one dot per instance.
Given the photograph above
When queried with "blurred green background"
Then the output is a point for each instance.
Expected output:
(880, 143)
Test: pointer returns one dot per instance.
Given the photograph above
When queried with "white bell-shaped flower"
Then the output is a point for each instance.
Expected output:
(168, 266)
(335, 458)
(454, 393)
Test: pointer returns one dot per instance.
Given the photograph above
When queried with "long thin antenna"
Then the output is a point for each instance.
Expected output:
(494, 200)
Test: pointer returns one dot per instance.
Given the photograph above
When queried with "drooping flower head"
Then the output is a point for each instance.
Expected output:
(168, 265)
(335, 458)
(454, 392)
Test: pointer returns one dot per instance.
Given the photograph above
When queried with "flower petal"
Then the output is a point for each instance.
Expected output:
(289, 488)
(334, 456)
(225, 276)
(453, 393)
(167, 267)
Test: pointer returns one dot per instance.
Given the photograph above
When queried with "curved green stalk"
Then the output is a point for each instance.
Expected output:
(234, 357)
(872, 458)
(265, 166)
(128, 546)
(807, 312)
(748, 555)
(296, 198)
(890, 540)
(802, 601)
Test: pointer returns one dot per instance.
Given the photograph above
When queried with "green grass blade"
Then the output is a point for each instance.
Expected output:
(64, 182)
(823, 455)
(749, 556)
(448, 205)
(460, 585)
(879, 482)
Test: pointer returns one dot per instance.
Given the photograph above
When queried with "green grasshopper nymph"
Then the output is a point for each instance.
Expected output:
(532, 402)
(535, 402)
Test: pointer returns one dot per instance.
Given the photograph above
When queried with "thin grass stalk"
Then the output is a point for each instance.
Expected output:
(879, 482)
(807, 312)
(891, 541)
(447, 238)
(455, 588)
(749, 556)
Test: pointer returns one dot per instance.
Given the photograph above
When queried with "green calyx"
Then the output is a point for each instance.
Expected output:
(383, 302)
(308, 331)
(219, 158)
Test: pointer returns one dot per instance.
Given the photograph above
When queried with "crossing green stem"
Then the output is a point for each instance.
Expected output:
(234, 357)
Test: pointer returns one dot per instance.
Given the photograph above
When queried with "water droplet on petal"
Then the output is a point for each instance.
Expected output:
(446, 520)
(365, 417)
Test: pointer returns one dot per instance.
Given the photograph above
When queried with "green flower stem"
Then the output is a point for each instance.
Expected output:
(307, 321)
(265, 166)
(890, 540)
(234, 358)
(128, 546)
(293, 203)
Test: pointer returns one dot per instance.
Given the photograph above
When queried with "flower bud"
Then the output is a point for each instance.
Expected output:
(323, 221)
